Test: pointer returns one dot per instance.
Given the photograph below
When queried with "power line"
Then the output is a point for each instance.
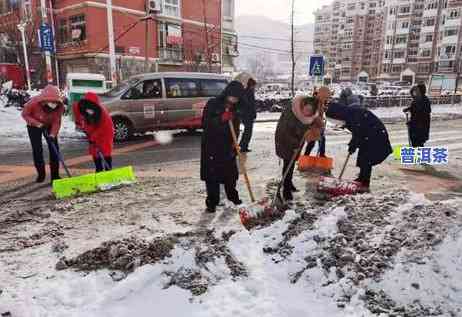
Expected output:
(271, 38)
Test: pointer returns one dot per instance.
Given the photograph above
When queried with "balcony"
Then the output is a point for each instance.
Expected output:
(453, 39)
(452, 22)
(427, 29)
(171, 55)
(447, 57)
(430, 13)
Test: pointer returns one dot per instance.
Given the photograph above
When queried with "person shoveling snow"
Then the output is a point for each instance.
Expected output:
(369, 135)
(93, 118)
(43, 114)
(218, 155)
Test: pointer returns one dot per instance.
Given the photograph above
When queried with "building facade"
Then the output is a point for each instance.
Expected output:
(394, 40)
(182, 35)
(349, 34)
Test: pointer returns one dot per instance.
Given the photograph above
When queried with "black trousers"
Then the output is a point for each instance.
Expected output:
(247, 135)
(35, 137)
(99, 166)
(290, 174)
(365, 173)
(213, 193)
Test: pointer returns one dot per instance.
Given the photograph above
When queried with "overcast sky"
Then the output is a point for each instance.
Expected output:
(280, 9)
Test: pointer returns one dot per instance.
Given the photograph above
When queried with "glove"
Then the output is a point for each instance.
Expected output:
(227, 116)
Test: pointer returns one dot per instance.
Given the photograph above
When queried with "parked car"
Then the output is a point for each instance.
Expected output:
(161, 101)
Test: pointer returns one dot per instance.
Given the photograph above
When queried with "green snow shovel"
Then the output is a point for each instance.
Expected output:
(89, 183)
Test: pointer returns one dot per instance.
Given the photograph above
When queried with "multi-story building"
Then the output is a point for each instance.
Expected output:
(348, 33)
(391, 40)
(183, 35)
(423, 37)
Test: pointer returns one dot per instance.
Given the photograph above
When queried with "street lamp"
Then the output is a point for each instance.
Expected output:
(22, 29)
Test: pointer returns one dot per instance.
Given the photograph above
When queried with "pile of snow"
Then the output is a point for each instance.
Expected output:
(14, 126)
(390, 254)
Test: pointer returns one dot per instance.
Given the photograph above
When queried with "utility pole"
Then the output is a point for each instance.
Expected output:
(49, 70)
(292, 49)
(110, 31)
(54, 41)
(22, 29)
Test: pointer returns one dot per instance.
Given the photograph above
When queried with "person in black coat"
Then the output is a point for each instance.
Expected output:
(369, 135)
(218, 155)
(248, 114)
(420, 109)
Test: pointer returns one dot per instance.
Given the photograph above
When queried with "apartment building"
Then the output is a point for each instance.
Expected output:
(393, 40)
(184, 35)
(348, 33)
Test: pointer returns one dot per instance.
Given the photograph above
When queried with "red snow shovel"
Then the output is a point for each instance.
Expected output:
(256, 208)
(336, 186)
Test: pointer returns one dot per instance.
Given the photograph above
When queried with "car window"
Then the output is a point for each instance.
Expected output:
(182, 88)
(147, 89)
(212, 87)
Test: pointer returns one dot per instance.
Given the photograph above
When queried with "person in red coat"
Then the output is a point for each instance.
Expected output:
(93, 118)
(43, 114)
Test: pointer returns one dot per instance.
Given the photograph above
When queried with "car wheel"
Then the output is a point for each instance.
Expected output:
(123, 130)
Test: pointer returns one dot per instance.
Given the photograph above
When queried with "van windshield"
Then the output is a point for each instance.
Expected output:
(120, 88)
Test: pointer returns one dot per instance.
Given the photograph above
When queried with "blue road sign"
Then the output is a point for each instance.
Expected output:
(46, 38)
(316, 65)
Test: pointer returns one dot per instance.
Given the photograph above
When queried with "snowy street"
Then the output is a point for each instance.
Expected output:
(151, 247)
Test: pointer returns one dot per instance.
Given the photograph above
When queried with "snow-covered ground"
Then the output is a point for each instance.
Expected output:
(393, 253)
(13, 125)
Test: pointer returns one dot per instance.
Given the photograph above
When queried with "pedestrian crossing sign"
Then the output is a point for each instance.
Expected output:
(316, 65)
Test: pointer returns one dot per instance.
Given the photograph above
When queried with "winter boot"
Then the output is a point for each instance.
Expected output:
(54, 171)
(41, 173)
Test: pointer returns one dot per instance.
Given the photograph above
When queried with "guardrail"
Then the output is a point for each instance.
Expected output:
(275, 105)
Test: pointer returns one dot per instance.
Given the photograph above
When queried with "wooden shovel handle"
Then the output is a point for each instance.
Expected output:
(242, 166)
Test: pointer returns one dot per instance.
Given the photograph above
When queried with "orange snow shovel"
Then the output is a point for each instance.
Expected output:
(308, 163)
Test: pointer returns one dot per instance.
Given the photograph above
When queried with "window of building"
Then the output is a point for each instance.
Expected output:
(399, 54)
(388, 54)
(404, 10)
(182, 88)
(171, 8)
(371, 11)
(350, 20)
(396, 69)
(78, 28)
(7, 6)
(429, 38)
(405, 25)
(401, 39)
(392, 11)
(450, 50)
(432, 6)
(426, 52)
(450, 32)
(372, 5)
(170, 41)
(429, 22)
(228, 9)
(412, 53)
(351, 6)
(389, 39)
(63, 31)
(454, 14)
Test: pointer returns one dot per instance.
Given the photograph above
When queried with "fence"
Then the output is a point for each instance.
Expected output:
(275, 105)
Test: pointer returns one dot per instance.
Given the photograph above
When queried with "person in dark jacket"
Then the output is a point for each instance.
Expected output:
(420, 109)
(301, 122)
(94, 119)
(43, 115)
(218, 155)
(248, 115)
(369, 135)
